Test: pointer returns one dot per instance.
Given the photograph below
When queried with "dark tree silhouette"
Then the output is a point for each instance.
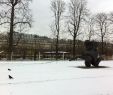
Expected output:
(102, 24)
(58, 8)
(77, 14)
(16, 16)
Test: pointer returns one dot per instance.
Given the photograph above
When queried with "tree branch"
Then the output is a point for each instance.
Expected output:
(22, 23)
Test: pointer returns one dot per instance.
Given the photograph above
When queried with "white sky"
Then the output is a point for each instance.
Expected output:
(43, 16)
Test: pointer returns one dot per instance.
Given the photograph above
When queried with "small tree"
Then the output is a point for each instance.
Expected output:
(58, 8)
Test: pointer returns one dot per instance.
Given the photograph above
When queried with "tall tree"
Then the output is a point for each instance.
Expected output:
(58, 8)
(15, 14)
(77, 13)
(102, 24)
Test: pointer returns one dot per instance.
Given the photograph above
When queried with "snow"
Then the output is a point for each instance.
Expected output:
(55, 78)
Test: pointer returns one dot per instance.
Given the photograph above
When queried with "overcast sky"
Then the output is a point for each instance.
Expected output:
(42, 15)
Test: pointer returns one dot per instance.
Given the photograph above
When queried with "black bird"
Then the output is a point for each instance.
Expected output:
(9, 69)
(10, 77)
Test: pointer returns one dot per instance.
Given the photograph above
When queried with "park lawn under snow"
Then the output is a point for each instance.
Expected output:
(56, 78)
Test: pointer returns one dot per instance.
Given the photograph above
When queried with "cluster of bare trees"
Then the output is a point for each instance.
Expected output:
(96, 26)
(15, 16)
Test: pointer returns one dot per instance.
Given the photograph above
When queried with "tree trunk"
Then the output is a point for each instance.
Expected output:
(24, 54)
(35, 55)
(10, 49)
(74, 46)
(57, 39)
(57, 44)
(102, 47)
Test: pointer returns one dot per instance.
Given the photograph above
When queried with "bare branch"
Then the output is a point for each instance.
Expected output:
(23, 23)
(4, 23)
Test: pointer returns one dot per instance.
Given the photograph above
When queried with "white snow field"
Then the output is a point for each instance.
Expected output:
(55, 78)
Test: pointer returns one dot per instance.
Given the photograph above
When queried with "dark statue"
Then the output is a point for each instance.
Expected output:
(91, 54)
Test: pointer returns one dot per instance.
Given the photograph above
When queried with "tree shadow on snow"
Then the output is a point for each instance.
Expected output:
(92, 67)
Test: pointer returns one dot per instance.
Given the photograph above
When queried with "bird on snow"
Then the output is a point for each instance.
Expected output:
(9, 69)
(10, 77)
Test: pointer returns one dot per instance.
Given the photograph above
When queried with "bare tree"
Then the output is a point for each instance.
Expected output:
(77, 14)
(15, 14)
(111, 25)
(58, 8)
(102, 25)
(90, 28)
(111, 17)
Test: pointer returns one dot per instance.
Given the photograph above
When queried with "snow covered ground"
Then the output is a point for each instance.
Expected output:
(56, 78)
